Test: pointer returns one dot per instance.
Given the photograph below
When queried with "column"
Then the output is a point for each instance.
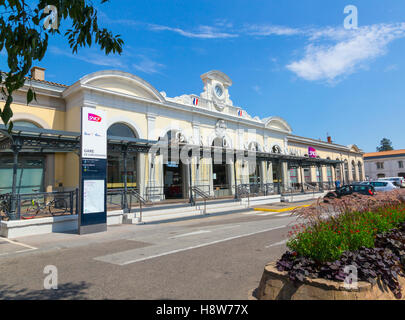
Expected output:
(320, 168)
(301, 170)
(285, 175)
(263, 175)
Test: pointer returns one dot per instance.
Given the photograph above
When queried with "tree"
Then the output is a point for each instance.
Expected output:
(385, 145)
(24, 34)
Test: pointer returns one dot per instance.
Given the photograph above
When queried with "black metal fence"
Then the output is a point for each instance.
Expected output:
(44, 204)
(308, 187)
(118, 199)
(38, 205)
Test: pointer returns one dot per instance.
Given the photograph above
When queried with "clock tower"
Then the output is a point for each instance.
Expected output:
(216, 84)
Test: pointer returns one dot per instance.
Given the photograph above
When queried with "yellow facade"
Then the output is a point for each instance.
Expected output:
(131, 101)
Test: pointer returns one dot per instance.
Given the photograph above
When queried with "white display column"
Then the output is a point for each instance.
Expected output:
(154, 165)
(270, 172)
(285, 175)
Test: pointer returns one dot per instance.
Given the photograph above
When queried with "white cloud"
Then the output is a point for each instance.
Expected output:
(349, 51)
(147, 65)
(269, 30)
(92, 57)
(202, 32)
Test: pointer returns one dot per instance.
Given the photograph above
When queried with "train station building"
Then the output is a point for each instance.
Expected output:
(230, 148)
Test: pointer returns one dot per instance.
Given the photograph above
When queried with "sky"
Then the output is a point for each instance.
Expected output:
(292, 58)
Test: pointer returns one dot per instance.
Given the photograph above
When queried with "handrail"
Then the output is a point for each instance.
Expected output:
(203, 195)
(200, 192)
(310, 186)
(137, 195)
(141, 200)
(243, 190)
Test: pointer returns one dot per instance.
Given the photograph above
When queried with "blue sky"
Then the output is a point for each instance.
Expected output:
(289, 58)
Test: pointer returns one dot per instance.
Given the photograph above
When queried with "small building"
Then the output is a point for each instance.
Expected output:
(47, 134)
(385, 164)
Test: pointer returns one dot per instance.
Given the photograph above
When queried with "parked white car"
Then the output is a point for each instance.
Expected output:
(398, 181)
(383, 185)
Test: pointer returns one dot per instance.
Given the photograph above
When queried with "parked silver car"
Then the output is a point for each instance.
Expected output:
(398, 181)
(383, 185)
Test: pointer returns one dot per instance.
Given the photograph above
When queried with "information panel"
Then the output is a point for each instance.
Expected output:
(93, 172)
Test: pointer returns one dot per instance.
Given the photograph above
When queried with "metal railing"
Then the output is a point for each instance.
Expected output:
(243, 190)
(38, 204)
(198, 192)
(222, 190)
(117, 199)
(141, 200)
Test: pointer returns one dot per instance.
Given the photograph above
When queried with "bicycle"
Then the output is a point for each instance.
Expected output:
(4, 205)
(55, 207)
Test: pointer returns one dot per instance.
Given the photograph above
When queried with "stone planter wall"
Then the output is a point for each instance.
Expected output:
(275, 285)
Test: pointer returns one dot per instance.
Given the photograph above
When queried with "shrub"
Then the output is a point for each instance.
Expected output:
(366, 232)
(353, 203)
(328, 239)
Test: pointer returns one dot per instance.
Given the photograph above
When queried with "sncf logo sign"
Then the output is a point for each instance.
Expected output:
(93, 117)
(311, 152)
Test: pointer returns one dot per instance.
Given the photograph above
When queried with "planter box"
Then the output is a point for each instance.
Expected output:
(275, 285)
(21, 228)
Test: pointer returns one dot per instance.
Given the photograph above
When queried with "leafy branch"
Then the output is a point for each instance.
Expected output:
(25, 40)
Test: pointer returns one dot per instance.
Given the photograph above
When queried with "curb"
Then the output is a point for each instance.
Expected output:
(280, 210)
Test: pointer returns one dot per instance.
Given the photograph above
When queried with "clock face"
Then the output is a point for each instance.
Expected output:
(219, 91)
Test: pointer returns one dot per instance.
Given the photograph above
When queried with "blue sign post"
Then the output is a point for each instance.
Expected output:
(93, 172)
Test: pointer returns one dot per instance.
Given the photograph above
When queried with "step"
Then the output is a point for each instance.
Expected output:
(302, 197)
(219, 205)
(163, 209)
(235, 209)
(168, 217)
(262, 199)
(259, 202)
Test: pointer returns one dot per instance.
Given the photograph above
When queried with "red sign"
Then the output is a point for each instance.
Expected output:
(311, 152)
(94, 117)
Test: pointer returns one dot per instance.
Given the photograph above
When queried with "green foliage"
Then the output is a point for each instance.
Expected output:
(328, 240)
(24, 38)
(385, 145)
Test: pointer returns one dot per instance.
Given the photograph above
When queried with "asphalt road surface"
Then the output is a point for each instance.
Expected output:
(219, 257)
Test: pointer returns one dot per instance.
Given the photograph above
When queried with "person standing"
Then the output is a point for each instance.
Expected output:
(337, 184)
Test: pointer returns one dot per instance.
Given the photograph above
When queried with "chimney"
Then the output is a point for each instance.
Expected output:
(38, 73)
(329, 139)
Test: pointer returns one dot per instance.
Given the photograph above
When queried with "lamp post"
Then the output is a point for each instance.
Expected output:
(234, 174)
(192, 202)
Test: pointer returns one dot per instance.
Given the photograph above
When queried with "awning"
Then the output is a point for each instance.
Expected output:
(24, 139)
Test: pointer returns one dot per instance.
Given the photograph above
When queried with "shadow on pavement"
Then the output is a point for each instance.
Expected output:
(67, 291)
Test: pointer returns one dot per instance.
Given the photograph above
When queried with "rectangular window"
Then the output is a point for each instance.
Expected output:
(400, 164)
(380, 165)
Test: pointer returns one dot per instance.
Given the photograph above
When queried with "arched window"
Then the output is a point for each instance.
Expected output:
(115, 172)
(338, 172)
(121, 130)
(174, 136)
(220, 142)
(329, 172)
(354, 175)
(25, 123)
(276, 149)
(360, 168)
(346, 171)
(254, 146)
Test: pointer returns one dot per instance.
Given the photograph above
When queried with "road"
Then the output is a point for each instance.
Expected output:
(218, 257)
